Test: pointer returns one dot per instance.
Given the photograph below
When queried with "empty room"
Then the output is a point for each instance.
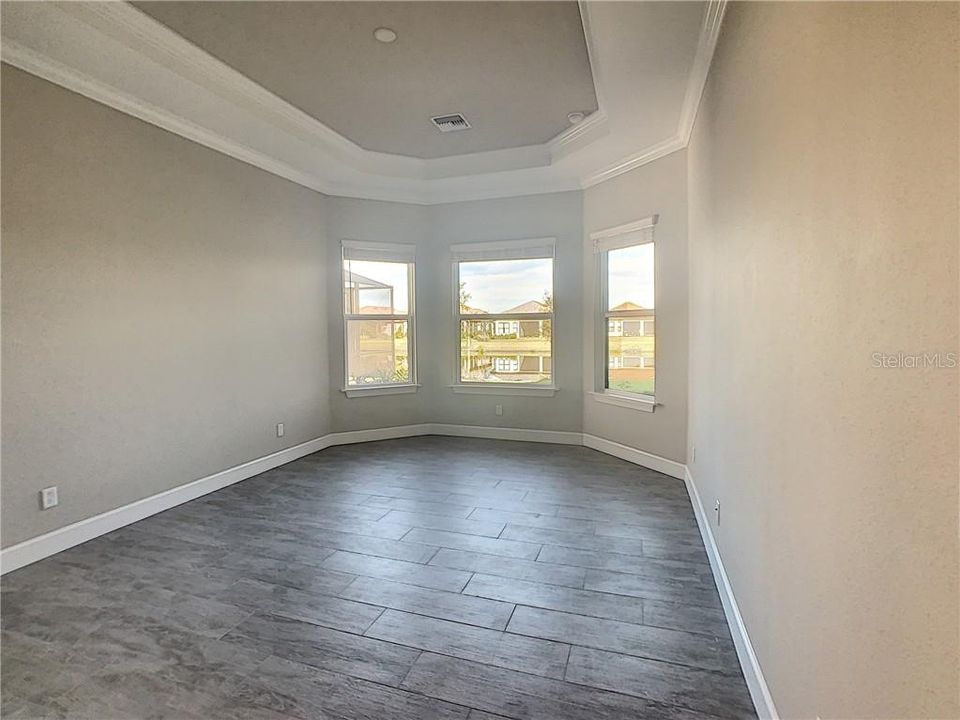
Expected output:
(480, 360)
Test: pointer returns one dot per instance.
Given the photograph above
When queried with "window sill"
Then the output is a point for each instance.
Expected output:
(371, 390)
(505, 389)
(643, 403)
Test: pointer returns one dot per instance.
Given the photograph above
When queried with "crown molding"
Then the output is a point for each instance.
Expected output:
(706, 46)
(631, 162)
(117, 55)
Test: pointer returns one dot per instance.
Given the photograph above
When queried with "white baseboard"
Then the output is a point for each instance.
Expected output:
(385, 433)
(37, 548)
(759, 692)
(503, 433)
(34, 549)
(637, 457)
(29, 551)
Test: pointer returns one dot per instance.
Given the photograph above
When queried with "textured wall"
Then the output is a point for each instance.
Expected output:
(657, 188)
(823, 228)
(163, 309)
(558, 215)
(385, 222)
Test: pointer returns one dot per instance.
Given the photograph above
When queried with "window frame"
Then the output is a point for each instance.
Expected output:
(530, 249)
(380, 252)
(631, 234)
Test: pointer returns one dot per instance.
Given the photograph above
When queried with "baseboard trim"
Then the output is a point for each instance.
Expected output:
(34, 549)
(637, 457)
(505, 433)
(752, 672)
(385, 433)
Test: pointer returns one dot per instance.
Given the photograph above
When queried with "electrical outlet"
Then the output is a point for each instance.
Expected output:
(279, 429)
(48, 498)
(499, 409)
(716, 509)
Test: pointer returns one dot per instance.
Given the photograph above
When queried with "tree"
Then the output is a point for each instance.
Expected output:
(548, 304)
(464, 297)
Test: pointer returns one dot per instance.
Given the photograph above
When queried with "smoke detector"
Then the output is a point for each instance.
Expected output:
(450, 123)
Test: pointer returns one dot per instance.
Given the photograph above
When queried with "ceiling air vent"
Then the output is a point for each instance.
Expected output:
(450, 123)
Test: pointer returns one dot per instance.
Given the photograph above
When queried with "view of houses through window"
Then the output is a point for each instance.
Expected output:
(630, 318)
(506, 321)
(376, 302)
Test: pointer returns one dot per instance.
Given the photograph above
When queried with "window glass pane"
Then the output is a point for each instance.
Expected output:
(520, 355)
(375, 288)
(630, 357)
(506, 286)
(378, 352)
(630, 278)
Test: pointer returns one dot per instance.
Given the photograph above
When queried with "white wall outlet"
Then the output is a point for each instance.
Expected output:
(48, 498)
(716, 509)
(279, 429)
(499, 410)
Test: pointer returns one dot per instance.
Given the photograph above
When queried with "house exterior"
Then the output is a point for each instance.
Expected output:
(631, 348)
(506, 350)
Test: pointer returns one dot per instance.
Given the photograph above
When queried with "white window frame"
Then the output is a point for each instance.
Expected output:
(529, 249)
(380, 252)
(631, 234)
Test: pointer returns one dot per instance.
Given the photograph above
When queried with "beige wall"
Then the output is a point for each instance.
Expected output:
(163, 309)
(385, 222)
(657, 188)
(433, 229)
(556, 215)
(823, 228)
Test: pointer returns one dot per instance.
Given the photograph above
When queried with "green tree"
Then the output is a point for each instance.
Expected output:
(548, 304)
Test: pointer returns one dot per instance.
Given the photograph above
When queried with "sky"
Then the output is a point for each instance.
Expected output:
(503, 284)
(496, 286)
(631, 275)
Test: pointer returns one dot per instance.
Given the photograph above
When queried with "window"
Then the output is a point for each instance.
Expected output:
(378, 315)
(627, 269)
(504, 310)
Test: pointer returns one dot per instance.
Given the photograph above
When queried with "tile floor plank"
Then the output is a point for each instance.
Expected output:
(555, 597)
(433, 603)
(490, 647)
(702, 651)
(698, 690)
(428, 576)
(510, 567)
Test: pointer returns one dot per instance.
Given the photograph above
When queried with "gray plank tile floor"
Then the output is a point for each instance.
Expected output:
(413, 579)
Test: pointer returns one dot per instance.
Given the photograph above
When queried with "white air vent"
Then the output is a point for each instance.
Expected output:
(450, 123)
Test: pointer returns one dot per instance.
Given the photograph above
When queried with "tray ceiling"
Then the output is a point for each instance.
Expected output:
(648, 62)
(514, 69)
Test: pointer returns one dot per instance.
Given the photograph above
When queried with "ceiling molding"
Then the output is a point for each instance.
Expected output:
(647, 155)
(706, 46)
(117, 55)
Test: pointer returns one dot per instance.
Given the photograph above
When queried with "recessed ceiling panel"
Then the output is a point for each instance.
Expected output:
(514, 70)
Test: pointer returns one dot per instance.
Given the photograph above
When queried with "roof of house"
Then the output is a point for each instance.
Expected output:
(467, 310)
(531, 306)
(628, 306)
